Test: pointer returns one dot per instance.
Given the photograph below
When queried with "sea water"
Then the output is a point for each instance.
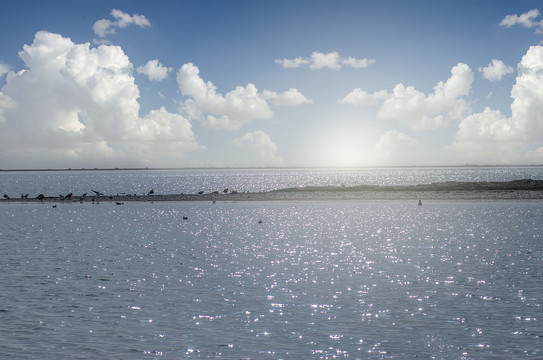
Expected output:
(191, 181)
(311, 280)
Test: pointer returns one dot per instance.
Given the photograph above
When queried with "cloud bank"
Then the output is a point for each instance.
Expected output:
(74, 106)
(491, 133)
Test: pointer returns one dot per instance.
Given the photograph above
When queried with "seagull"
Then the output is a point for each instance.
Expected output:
(151, 192)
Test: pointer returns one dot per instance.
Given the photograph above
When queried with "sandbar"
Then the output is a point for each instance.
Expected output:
(525, 189)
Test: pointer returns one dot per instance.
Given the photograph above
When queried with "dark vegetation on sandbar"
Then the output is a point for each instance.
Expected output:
(516, 189)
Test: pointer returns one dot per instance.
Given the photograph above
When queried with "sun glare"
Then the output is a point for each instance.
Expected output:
(344, 151)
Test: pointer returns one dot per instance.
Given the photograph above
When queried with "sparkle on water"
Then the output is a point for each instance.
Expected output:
(366, 280)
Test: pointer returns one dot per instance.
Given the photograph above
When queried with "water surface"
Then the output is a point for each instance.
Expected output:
(366, 280)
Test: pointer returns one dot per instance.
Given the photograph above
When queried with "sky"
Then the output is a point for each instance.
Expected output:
(212, 83)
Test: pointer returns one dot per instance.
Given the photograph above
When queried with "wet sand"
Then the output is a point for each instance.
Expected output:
(511, 190)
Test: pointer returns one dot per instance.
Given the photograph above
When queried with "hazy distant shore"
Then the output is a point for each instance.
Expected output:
(517, 189)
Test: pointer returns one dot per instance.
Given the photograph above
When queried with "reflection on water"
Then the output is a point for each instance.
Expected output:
(372, 280)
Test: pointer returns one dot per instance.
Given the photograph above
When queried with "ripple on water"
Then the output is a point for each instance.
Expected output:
(314, 279)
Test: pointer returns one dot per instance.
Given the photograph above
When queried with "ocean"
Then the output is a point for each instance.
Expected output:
(269, 280)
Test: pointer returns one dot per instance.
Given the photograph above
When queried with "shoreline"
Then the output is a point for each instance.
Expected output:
(525, 189)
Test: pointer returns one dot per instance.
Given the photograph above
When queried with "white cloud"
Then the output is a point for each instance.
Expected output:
(491, 133)
(526, 20)
(291, 97)
(3, 69)
(260, 143)
(6, 103)
(392, 142)
(329, 60)
(495, 70)
(230, 111)
(104, 27)
(357, 63)
(319, 60)
(154, 70)
(292, 63)
(359, 97)
(80, 105)
(418, 110)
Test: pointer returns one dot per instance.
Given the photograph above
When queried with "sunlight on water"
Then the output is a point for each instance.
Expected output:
(191, 181)
(372, 280)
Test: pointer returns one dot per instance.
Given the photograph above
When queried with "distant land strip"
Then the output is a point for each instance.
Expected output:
(516, 189)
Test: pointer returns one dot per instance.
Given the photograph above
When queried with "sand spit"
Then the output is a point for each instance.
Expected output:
(517, 189)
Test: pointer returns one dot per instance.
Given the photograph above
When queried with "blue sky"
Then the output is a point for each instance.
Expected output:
(270, 83)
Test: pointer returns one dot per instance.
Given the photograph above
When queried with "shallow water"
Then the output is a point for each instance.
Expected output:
(367, 280)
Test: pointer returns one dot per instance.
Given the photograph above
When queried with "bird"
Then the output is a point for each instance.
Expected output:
(260, 221)
(68, 196)
(6, 196)
(55, 205)
(225, 190)
(200, 192)
(151, 192)
(420, 202)
(185, 217)
(119, 203)
(40, 197)
(98, 193)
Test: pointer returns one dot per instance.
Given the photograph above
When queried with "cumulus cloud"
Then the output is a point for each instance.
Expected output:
(492, 133)
(80, 105)
(3, 69)
(230, 111)
(393, 142)
(154, 70)
(526, 20)
(418, 110)
(235, 108)
(357, 63)
(359, 97)
(260, 143)
(104, 27)
(319, 60)
(292, 63)
(291, 97)
(495, 70)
